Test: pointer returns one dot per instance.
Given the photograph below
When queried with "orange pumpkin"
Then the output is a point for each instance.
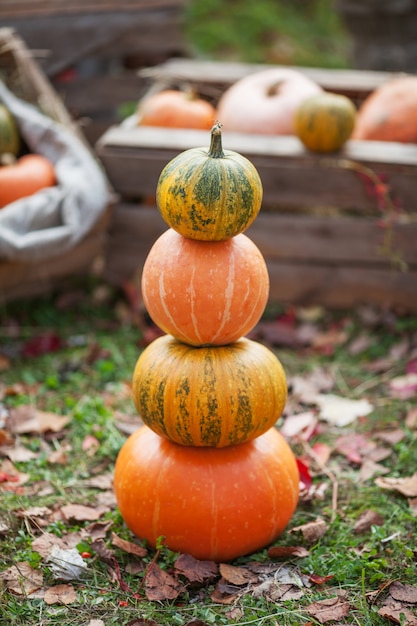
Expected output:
(176, 109)
(389, 113)
(205, 292)
(27, 175)
(213, 503)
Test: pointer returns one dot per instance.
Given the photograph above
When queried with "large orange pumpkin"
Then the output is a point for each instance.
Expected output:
(212, 396)
(215, 504)
(389, 113)
(205, 292)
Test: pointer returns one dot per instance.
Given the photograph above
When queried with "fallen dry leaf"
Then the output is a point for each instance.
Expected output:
(366, 520)
(22, 579)
(128, 546)
(403, 387)
(60, 594)
(287, 552)
(66, 564)
(312, 531)
(403, 593)
(237, 575)
(26, 418)
(340, 411)
(159, 585)
(406, 486)
(82, 513)
(196, 571)
(398, 613)
(329, 610)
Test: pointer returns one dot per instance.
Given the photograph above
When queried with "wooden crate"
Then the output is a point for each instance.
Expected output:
(23, 76)
(320, 226)
(91, 50)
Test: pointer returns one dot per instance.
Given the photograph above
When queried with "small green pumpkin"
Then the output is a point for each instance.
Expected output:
(214, 396)
(325, 122)
(209, 195)
(9, 133)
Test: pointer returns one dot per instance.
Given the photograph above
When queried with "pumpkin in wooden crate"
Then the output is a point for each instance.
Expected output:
(173, 108)
(264, 102)
(210, 396)
(9, 133)
(209, 195)
(212, 503)
(205, 292)
(389, 113)
(325, 122)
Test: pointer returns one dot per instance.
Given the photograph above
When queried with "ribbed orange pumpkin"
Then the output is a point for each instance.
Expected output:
(212, 396)
(215, 504)
(205, 292)
(325, 122)
(389, 113)
(209, 195)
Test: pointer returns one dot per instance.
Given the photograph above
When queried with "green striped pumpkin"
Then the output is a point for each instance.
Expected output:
(209, 195)
(9, 133)
(209, 396)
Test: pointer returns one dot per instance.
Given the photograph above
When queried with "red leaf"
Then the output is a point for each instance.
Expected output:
(44, 343)
(305, 476)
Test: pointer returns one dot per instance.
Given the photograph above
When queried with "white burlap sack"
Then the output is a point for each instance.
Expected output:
(53, 220)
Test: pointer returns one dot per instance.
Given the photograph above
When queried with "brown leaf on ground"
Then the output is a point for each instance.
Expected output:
(237, 575)
(406, 486)
(412, 503)
(329, 610)
(141, 621)
(159, 585)
(312, 531)
(411, 419)
(101, 481)
(287, 552)
(128, 546)
(22, 579)
(81, 513)
(20, 454)
(354, 446)
(97, 530)
(366, 520)
(60, 594)
(26, 419)
(390, 436)
(403, 593)
(38, 516)
(398, 613)
(10, 477)
(201, 572)
(45, 542)
(225, 593)
(234, 614)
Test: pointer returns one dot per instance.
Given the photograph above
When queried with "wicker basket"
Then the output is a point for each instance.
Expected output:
(22, 76)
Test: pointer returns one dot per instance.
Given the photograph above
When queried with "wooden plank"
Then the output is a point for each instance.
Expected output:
(223, 74)
(324, 267)
(31, 8)
(104, 35)
(291, 177)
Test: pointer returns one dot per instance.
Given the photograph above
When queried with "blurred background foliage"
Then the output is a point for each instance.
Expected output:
(288, 32)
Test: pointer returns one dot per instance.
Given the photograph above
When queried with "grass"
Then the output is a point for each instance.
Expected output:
(86, 379)
(289, 33)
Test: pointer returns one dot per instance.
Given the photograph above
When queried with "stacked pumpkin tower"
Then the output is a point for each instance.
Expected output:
(208, 472)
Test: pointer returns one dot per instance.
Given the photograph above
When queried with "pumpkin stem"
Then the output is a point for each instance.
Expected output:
(274, 88)
(216, 148)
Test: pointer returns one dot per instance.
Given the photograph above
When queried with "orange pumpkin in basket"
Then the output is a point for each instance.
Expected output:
(29, 174)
